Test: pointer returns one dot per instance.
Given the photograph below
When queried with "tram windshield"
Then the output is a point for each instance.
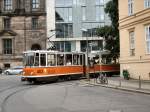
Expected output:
(34, 59)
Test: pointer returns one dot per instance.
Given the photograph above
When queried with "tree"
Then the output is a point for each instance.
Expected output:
(111, 33)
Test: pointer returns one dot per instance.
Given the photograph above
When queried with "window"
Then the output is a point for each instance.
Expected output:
(147, 39)
(132, 43)
(147, 3)
(66, 30)
(64, 3)
(35, 4)
(34, 23)
(64, 14)
(6, 23)
(99, 2)
(99, 13)
(51, 59)
(7, 46)
(83, 13)
(7, 5)
(130, 7)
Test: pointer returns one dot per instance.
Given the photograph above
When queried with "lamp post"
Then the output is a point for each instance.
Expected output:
(87, 55)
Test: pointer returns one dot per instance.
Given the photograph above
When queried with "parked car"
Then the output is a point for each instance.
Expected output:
(14, 70)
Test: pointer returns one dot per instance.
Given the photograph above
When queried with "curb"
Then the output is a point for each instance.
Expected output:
(119, 88)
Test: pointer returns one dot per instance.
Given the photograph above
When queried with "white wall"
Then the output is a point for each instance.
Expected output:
(50, 8)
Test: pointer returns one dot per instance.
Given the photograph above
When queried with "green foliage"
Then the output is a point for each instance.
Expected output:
(126, 74)
(111, 33)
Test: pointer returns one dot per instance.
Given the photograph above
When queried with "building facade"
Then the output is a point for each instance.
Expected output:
(134, 25)
(22, 27)
(71, 23)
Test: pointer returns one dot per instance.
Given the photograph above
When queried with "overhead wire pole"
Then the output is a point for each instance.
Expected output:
(87, 55)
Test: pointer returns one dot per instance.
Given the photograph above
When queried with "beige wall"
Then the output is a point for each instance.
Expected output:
(138, 65)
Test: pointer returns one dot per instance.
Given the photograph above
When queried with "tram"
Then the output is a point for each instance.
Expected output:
(43, 65)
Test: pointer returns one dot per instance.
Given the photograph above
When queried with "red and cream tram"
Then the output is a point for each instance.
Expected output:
(42, 65)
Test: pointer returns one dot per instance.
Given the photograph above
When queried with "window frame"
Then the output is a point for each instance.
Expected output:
(130, 7)
(147, 39)
(8, 5)
(35, 4)
(35, 23)
(6, 23)
(132, 43)
(7, 49)
(146, 4)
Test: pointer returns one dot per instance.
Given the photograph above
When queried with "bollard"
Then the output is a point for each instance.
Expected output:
(139, 82)
(119, 82)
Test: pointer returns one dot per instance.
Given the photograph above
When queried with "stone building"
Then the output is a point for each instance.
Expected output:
(22, 27)
(134, 26)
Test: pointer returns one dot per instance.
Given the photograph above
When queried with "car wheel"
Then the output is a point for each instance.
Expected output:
(7, 73)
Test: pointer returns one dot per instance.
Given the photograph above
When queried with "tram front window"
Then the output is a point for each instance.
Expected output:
(29, 59)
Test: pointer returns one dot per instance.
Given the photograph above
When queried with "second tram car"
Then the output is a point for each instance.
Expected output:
(42, 65)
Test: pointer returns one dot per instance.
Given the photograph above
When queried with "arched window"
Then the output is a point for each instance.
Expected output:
(36, 47)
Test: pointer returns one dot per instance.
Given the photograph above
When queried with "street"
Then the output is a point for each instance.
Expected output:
(69, 96)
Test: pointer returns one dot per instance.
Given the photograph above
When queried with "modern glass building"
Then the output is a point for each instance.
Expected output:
(75, 23)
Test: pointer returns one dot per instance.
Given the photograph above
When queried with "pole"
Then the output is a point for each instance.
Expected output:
(87, 55)
(100, 61)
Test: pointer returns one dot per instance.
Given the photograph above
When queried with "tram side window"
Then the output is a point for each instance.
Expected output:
(60, 59)
(76, 59)
(68, 59)
(43, 59)
(51, 59)
(36, 63)
(81, 59)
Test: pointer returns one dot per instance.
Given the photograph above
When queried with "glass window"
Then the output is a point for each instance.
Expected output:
(148, 39)
(64, 3)
(7, 5)
(63, 14)
(51, 59)
(132, 43)
(68, 59)
(66, 30)
(7, 46)
(60, 59)
(6, 23)
(36, 63)
(34, 23)
(99, 2)
(35, 4)
(147, 3)
(83, 13)
(130, 7)
(42, 59)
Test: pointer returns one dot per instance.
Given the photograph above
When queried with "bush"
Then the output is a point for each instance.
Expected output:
(126, 74)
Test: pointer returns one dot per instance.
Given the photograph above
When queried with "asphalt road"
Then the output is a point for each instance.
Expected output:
(70, 96)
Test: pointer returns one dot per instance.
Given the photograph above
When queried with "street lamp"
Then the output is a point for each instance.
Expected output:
(87, 54)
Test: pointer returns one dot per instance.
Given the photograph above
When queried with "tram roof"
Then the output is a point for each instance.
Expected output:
(52, 52)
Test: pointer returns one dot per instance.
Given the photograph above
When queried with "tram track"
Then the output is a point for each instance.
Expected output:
(7, 93)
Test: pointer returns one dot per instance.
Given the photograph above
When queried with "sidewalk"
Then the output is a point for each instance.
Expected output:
(120, 83)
